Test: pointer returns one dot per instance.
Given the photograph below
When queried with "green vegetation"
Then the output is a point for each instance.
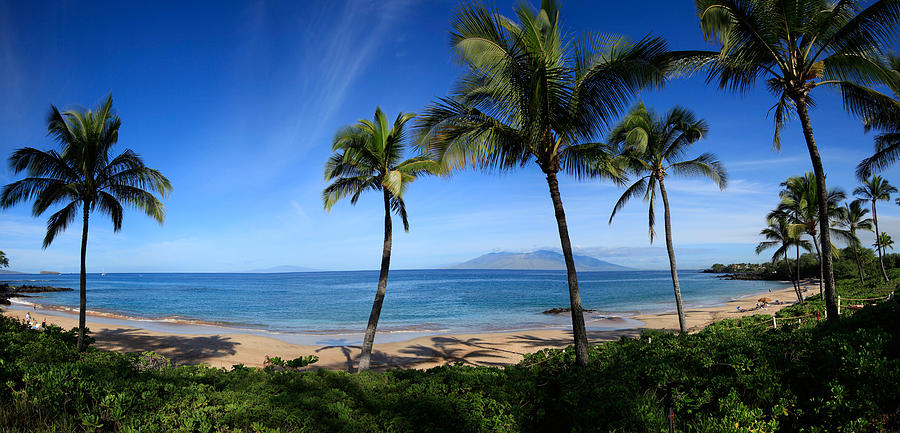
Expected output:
(4, 262)
(851, 219)
(782, 235)
(884, 117)
(734, 376)
(652, 148)
(874, 190)
(84, 176)
(533, 92)
(369, 156)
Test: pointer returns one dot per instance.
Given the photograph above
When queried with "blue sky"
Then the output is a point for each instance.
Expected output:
(236, 102)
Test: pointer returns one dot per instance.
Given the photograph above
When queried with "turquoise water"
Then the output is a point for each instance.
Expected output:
(421, 301)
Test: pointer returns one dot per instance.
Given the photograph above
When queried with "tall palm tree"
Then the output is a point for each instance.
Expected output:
(852, 218)
(873, 190)
(782, 235)
(652, 147)
(799, 46)
(4, 262)
(531, 93)
(800, 203)
(84, 176)
(369, 156)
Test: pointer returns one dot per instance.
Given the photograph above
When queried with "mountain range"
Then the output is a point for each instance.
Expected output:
(536, 260)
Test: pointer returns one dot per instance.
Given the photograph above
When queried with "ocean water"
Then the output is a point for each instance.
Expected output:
(417, 301)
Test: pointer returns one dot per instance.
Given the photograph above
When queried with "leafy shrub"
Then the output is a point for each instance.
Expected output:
(735, 375)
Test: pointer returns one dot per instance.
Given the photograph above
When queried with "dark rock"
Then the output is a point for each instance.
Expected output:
(564, 310)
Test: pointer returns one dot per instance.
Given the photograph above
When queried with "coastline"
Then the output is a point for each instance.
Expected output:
(220, 346)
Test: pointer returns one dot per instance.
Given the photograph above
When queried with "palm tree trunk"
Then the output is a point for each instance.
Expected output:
(787, 264)
(682, 326)
(819, 259)
(799, 289)
(369, 339)
(862, 277)
(578, 330)
(82, 308)
(822, 192)
(878, 241)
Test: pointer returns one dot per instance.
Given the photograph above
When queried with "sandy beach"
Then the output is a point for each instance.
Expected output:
(488, 349)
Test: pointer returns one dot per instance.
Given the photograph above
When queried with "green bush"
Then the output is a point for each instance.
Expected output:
(737, 375)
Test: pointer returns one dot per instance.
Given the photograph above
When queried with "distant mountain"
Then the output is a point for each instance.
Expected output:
(281, 269)
(4, 271)
(537, 260)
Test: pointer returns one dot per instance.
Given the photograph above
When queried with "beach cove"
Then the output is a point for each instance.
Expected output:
(223, 346)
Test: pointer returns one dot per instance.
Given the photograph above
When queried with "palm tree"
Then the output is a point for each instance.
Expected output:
(4, 262)
(782, 235)
(873, 190)
(84, 176)
(885, 241)
(653, 147)
(884, 117)
(852, 217)
(799, 202)
(531, 93)
(369, 156)
(800, 46)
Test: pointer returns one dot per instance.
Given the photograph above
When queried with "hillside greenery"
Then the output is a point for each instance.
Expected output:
(844, 266)
(737, 375)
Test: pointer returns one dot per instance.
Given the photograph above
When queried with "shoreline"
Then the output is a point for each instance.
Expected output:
(220, 346)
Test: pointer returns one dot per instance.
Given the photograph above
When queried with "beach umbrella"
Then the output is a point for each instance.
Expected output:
(766, 300)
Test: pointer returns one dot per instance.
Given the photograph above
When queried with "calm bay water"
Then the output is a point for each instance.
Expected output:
(417, 300)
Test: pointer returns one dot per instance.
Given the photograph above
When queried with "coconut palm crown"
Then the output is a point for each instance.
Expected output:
(851, 219)
(369, 156)
(797, 46)
(83, 178)
(873, 190)
(884, 117)
(782, 235)
(533, 93)
(652, 148)
(800, 206)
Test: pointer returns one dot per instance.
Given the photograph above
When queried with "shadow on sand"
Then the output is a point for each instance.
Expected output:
(444, 350)
(180, 349)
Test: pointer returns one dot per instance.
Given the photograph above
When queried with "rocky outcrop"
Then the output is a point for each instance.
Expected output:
(564, 310)
(8, 291)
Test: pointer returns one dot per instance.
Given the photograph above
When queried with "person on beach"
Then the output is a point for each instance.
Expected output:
(28, 318)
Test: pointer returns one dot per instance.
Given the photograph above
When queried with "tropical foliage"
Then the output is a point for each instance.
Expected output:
(851, 219)
(84, 177)
(885, 118)
(872, 191)
(531, 92)
(797, 47)
(369, 156)
(4, 262)
(782, 235)
(652, 147)
(734, 376)
(800, 206)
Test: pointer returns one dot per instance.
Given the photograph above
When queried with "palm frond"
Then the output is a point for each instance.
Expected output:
(58, 222)
(639, 187)
(705, 165)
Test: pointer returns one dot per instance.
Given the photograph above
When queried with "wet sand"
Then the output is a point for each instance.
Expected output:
(489, 349)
